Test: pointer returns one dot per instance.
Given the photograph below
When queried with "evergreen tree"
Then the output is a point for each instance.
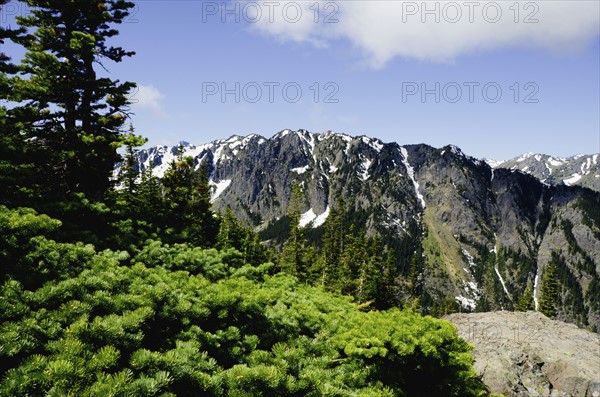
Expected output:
(131, 172)
(293, 255)
(386, 294)
(549, 291)
(17, 176)
(187, 197)
(149, 203)
(333, 245)
(416, 275)
(69, 112)
(354, 267)
(525, 301)
(231, 233)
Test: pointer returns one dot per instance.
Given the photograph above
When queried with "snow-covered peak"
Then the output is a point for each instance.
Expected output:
(456, 150)
(283, 133)
(332, 134)
(524, 157)
(373, 142)
(494, 163)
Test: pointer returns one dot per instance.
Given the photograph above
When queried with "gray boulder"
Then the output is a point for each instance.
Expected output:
(528, 354)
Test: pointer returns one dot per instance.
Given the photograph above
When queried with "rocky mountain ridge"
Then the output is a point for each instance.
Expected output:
(482, 233)
(581, 170)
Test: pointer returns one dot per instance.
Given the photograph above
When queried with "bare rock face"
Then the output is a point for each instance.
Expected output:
(528, 354)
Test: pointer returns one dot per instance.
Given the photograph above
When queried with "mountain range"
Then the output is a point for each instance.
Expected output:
(485, 231)
(581, 170)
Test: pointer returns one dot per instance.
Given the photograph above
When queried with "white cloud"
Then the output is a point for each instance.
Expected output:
(386, 29)
(149, 97)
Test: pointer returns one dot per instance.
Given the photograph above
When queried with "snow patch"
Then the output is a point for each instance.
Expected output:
(219, 187)
(411, 175)
(524, 157)
(595, 159)
(307, 217)
(494, 163)
(218, 155)
(572, 180)
(585, 167)
(319, 220)
(469, 257)
(374, 143)
(365, 165)
(556, 163)
(310, 218)
(283, 133)
(456, 150)
(466, 302)
(535, 287)
(502, 281)
(300, 170)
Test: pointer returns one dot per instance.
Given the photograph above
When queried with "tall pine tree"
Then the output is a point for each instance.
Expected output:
(293, 255)
(17, 176)
(549, 291)
(525, 301)
(70, 112)
(189, 217)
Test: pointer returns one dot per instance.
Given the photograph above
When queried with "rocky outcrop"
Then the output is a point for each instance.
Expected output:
(529, 355)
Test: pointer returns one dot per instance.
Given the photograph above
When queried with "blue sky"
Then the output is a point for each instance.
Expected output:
(363, 72)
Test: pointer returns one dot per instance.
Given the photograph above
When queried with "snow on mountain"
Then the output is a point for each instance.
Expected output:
(411, 175)
(582, 170)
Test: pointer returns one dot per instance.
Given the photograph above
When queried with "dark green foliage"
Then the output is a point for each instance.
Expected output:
(187, 198)
(233, 235)
(63, 124)
(174, 209)
(352, 264)
(294, 256)
(569, 293)
(188, 321)
(277, 231)
(75, 117)
(493, 296)
(17, 176)
(549, 292)
(82, 133)
(525, 301)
